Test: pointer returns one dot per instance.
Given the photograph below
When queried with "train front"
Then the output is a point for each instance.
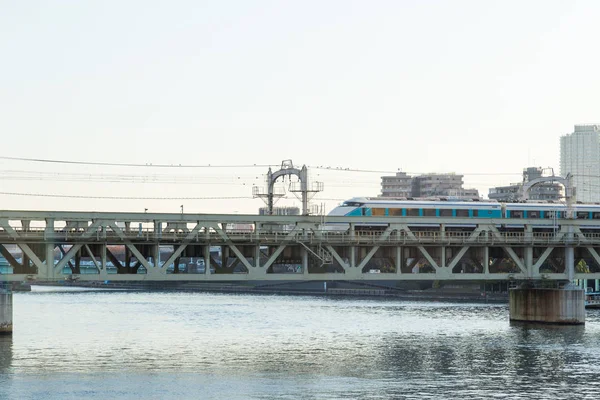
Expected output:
(350, 207)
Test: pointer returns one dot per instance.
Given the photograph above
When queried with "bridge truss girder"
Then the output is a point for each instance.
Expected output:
(401, 248)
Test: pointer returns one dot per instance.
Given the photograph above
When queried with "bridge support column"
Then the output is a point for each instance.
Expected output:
(552, 306)
(207, 259)
(6, 309)
(304, 261)
(50, 261)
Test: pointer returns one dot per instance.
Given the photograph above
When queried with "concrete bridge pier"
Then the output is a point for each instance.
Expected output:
(553, 306)
(6, 309)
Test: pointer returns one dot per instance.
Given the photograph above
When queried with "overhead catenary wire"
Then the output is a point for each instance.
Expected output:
(154, 165)
(147, 165)
(123, 178)
(329, 175)
(157, 179)
(169, 179)
(373, 171)
(24, 175)
(73, 196)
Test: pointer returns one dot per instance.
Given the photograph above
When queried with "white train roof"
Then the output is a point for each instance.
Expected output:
(453, 203)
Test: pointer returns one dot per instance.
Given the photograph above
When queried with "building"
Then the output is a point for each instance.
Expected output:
(580, 156)
(399, 185)
(549, 191)
(432, 185)
(428, 185)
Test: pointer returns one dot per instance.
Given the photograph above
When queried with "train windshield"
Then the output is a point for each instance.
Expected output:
(352, 204)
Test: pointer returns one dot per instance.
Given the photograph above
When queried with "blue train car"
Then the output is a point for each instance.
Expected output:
(368, 207)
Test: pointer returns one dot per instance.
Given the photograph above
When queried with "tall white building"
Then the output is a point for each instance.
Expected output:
(580, 156)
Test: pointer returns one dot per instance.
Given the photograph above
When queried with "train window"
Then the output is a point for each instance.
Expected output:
(533, 214)
(582, 215)
(549, 214)
(352, 204)
(412, 212)
(516, 213)
(378, 212)
(395, 212)
(429, 212)
(462, 213)
(596, 215)
(444, 212)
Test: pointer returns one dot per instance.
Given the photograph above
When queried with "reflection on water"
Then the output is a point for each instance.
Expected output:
(5, 352)
(171, 345)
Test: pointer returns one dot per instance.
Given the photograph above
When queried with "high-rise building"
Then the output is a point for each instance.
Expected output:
(580, 156)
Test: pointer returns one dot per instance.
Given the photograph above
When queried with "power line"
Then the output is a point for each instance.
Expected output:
(68, 196)
(169, 178)
(65, 196)
(148, 165)
(342, 169)
(129, 179)
(152, 165)
(24, 175)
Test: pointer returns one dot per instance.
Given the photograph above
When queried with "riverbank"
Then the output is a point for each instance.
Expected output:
(457, 293)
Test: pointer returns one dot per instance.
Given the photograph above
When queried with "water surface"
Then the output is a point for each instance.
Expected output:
(124, 345)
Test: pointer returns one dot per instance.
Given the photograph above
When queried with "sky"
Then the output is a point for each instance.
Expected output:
(482, 88)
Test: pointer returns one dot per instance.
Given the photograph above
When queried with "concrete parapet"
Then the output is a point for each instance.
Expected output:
(553, 306)
(6, 310)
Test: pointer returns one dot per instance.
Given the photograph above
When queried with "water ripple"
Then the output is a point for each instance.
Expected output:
(176, 345)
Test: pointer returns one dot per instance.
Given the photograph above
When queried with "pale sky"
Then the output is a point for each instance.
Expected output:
(483, 88)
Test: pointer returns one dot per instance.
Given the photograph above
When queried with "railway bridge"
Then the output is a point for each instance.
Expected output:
(94, 246)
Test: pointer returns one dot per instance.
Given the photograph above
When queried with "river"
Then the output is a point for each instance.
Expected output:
(70, 344)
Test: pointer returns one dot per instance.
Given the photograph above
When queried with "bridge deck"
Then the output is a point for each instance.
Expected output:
(142, 246)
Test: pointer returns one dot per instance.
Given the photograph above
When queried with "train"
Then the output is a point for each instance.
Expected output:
(378, 207)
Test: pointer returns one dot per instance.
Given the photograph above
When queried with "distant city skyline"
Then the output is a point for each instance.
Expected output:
(432, 86)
